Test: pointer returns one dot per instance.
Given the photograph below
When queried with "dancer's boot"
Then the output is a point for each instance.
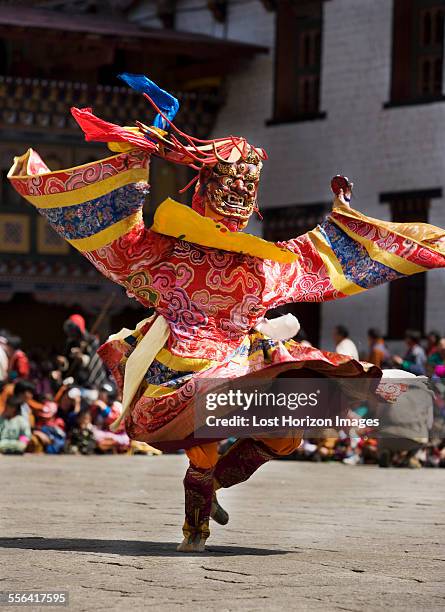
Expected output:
(218, 514)
(198, 488)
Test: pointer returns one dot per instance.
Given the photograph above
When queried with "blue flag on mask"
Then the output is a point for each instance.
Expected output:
(168, 104)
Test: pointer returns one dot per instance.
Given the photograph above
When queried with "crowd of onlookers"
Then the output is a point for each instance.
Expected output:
(60, 403)
(420, 358)
(65, 403)
(365, 448)
(412, 428)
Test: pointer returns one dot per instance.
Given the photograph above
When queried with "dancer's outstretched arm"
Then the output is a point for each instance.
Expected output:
(349, 253)
(97, 208)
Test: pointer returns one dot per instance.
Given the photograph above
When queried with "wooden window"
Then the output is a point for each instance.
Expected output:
(286, 223)
(14, 233)
(298, 60)
(48, 241)
(407, 296)
(417, 62)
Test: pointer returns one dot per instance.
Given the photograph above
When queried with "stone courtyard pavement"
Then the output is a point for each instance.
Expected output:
(301, 536)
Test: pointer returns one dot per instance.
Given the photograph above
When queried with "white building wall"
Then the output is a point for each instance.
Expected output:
(382, 150)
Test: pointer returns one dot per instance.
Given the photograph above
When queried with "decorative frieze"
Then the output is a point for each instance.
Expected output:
(41, 104)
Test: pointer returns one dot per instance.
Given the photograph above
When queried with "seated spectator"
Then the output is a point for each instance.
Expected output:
(85, 365)
(308, 450)
(15, 431)
(344, 448)
(432, 455)
(414, 360)
(43, 374)
(326, 444)
(48, 434)
(70, 405)
(378, 351)
(368, 448)
(436, 361)
(81, 439)
(432, 343)
(24, 392)
(18, 363)
(343, 343)
(7, 389)
(106, 408)
(105, 411)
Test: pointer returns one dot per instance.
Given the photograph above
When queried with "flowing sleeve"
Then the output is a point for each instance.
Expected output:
(96, 207)
(350, 253)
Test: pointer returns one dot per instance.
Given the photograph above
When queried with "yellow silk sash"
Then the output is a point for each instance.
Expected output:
(140, 359)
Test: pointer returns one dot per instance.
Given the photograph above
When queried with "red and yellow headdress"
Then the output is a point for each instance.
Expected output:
(176, 146)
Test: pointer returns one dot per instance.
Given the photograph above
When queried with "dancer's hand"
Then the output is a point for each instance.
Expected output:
(342, 189)
(341, 199)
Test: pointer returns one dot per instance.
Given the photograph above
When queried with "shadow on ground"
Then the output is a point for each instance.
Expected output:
(127, 547)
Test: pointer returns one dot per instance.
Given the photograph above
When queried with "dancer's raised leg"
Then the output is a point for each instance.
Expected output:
(247, 455)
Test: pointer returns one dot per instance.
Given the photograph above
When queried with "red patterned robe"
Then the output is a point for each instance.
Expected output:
(212, 286)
